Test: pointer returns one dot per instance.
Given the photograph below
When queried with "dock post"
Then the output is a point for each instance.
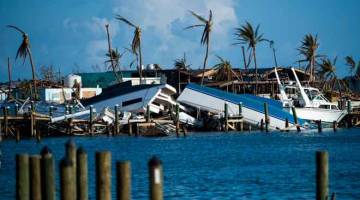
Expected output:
(226, 116)
(47, 174)
(322, 175)
(103, 175)
(70, 149)
(148, 113)
(177, 123)
(16, 109)
(349, 107)
(22, 177)
(35, 177)
(319, 125)
(241, 126)
(155, 179)
(267, 120)
(67, 180)
(130, 127)
(6, 122)
(51, 111)
(240, 109)
(334, 126)
(90, 119)
(123, 179)
(287, 124)
(116, 129)
(295, 118)
(262, 125)
(81, 175)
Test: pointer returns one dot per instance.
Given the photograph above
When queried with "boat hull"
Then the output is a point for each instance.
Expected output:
(315, 114)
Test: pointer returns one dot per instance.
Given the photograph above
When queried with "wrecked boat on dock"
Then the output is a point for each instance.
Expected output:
(213, 100)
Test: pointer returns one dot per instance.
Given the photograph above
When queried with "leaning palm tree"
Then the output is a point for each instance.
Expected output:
(354, 69)
(136, 42)
(111, 53)
(114, 60)
(181, 65)
(246, 34)
(308, 48)
(24, 51)
(205, 38)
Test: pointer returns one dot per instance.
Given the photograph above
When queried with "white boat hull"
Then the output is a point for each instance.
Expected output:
(315, 114)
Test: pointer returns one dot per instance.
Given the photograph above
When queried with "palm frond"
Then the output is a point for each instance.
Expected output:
(193, 26)
(118, 17)
(199, 17)
(17, 28)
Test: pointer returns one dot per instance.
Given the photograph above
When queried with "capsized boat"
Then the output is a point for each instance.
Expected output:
(213, 100)
(309, 102)
(134, 98)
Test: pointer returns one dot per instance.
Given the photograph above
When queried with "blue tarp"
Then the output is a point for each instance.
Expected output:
(249, 101)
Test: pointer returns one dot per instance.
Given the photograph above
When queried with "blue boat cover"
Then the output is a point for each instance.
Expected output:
(248, 101)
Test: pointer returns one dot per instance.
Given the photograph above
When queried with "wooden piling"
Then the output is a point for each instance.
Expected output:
(16, 109)
(267, 120)
(155, 179)
(35, 177)
(295, 118)
(116, 123)
(334, 126)
(349, 107)
(70, 152)
(319, 125)
(123, 173)
(47, 174)
(262, 125)
(322, 175)
(103, 175)
(226, 117)
(148, 113)
(67, 180)
(51, 111)
(91, 119)
(130, 127)
(6, 122)
(82, 174)
(287, 124)
(240, 109)
(22, 177)
(177, 121)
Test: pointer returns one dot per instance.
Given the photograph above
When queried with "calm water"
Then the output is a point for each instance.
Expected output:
(217, 165)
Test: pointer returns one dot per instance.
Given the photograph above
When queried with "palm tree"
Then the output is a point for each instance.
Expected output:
(181, 65)
(114, 59)
(308, 48)
(328, 72)
(111, 53)
(224, 71)
(24, 51)
(205, 38)
(354, 69)
(136, 42)
(246, 34)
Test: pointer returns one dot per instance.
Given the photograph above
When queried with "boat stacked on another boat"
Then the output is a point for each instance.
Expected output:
(309, 102)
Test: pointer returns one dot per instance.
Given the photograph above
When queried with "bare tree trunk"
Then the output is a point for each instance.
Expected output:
(140, 58)
(256, 71)
(179, 81)
(276, 64)
(33, 73)
(110, 53)
(243, 54)
(9, 96)
(205, 60)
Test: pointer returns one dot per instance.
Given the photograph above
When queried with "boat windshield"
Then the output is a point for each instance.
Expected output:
(312, 94)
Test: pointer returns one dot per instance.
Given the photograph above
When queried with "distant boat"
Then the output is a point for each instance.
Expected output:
(213, 100)
(310, 103)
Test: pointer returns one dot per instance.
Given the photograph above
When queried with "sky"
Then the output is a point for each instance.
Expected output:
(71, 36)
